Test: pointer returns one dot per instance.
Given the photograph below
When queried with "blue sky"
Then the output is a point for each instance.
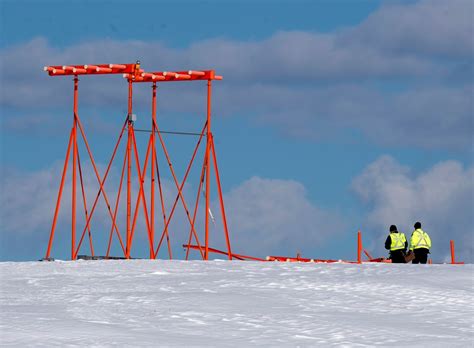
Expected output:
(333, 116)
(182, 22)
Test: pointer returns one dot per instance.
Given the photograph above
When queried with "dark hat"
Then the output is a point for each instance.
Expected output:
(417, 225)
(393, 228)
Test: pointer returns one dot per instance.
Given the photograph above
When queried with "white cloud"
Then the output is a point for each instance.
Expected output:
(404, 67)
(265, 216)
(426, 117)
(441, 198)
(268, 216)
(28, 201)
(430, 27)
(271, 216)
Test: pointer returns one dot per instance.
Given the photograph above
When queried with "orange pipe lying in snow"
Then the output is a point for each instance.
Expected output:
(216, 251)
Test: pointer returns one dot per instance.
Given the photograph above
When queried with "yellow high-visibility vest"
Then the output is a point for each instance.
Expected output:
(420, 239)
(398, 241)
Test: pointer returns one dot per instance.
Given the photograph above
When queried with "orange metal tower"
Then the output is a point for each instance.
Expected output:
(134, 74)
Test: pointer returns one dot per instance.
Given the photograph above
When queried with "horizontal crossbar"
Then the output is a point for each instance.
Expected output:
(168, 132)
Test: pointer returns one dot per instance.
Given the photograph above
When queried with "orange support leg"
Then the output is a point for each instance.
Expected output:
(73, 196)
(359, 247)
(74, 163)
(221, 199)
(453, 254)
(116, 206)
(152, 170)
(208, 170)
(152, 197)
(60, 193)
(129, 166)
(163, 211)
(129, 174)
(84, 201)
(198, 196)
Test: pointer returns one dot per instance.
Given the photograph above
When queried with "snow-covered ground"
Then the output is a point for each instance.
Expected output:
(220, 303)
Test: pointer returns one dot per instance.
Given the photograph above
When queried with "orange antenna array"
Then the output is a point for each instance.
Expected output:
(99, 69)
(133, 74)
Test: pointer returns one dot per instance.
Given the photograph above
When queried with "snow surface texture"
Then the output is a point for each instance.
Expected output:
(221, 303)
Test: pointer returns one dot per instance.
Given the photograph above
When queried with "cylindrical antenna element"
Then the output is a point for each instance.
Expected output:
(170, 74)
(105, 70)
(117, 66)
(182, 76)
(196, 73)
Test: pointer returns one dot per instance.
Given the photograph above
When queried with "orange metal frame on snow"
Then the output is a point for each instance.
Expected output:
(134, 74)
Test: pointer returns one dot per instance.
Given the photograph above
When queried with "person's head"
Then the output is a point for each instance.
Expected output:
(393, 228)
(417, 225)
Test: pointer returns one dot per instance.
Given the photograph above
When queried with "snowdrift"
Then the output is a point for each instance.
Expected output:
(222, 303)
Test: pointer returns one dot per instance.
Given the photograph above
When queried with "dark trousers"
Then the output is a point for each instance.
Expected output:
(397, 256)
(421, 255)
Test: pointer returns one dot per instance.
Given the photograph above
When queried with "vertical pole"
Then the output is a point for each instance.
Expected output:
(208, 171)
(129, 165)
(74, 174)
(359, 247)
(453, 255)
(152, 174)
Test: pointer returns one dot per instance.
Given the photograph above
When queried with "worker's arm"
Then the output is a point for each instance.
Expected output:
(388, 242)
(412, 242)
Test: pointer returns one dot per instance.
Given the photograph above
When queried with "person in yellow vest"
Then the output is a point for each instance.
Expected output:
(420, 244)
(397, 243)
